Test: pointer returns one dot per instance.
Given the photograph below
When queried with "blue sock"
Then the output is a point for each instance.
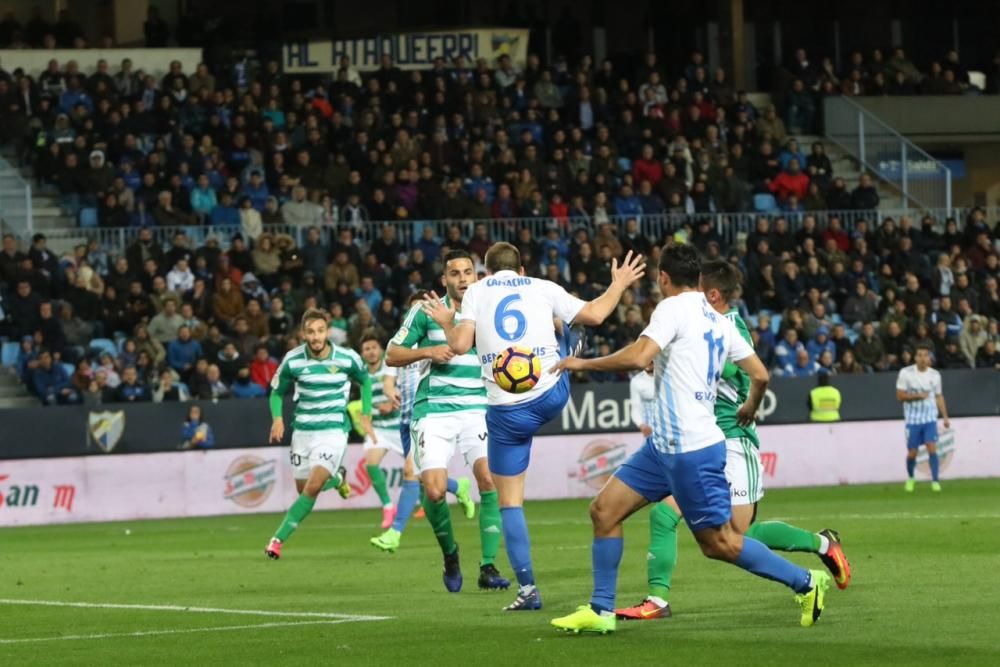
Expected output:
(606, 555)
(911, 466)
(758, 559)
(408, 499)
(452, 486)
(515, 537)
(932, 459)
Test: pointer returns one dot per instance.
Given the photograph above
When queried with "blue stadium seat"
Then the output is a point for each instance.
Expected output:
(765, 203)
(625, 164)
(104, 345)
(776, 323)
(70, 368)
(88, 217)
(836, 318)
(9, 353)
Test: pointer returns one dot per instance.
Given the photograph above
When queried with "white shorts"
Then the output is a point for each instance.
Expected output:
(743, 471)
(437, 437)
(388, 438)
(323, 449)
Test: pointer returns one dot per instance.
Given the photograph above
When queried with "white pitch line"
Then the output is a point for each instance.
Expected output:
(196, 610)
(152, 633)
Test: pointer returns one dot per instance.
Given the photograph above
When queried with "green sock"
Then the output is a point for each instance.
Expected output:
(296, 514)
(377, 477)
(662, 557)
(439, 516)
(782, 537)
(332, 483)
(489, 526)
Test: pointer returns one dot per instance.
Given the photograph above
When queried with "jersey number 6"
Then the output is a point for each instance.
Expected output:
(505, 311)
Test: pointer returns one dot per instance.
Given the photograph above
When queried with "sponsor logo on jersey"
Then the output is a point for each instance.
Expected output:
(249, 480)
(598, 461)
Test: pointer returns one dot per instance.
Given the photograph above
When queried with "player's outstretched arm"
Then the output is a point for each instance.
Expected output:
(632, 357)
(759, 378)
(622, 277)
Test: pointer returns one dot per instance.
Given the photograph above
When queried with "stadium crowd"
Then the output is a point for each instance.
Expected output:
(589, 150)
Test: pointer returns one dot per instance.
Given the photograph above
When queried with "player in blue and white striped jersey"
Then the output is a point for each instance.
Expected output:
(918, 388)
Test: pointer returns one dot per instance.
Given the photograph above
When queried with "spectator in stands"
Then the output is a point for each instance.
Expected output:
(865, 196)
(988, 356)
(803, 366)
(972, 338)
(164, 325)
(244, 387)
(51, 382)
(131, 390)
(183, 352)
(168, 392)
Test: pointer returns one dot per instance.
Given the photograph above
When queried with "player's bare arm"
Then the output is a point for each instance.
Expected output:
(623, 276)
(399, 356)
(632, 357)
(759, 379)
(904, 396)
(943, 409)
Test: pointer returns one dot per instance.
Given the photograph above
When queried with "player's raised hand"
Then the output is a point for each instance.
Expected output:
(437, 310)
(277, 430)
(631, 269)
(441, 354)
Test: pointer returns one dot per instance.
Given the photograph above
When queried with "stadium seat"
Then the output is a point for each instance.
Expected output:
(70, 368)
(9, 353)
(625, 164)
(765, 203)
(104, 345)
(836, 318)
(88, 217)
(776, 323)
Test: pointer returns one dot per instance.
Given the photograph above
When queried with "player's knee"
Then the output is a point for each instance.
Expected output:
(931, 449)
(434, 493)
(312, 488)
(600, 516)
(485, 483)
(720, 545)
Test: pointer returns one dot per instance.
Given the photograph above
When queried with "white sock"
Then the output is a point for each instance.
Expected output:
(526, 590)
(824, 544)
(659, 602)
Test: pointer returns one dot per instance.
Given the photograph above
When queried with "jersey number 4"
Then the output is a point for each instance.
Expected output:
(716, 349)
(506, 311)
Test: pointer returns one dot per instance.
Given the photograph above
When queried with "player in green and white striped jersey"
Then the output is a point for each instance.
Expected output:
(385, 422)
(322, 374)
(449, 416)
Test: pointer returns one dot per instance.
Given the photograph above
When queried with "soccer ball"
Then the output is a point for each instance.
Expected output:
(517, 369)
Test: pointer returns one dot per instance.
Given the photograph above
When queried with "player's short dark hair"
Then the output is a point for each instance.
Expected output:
(503, 257)
(369, 335)
(416, 296)
(721, 275)
(314, 314)
(924, 346)
(682, 263)
(452, 255)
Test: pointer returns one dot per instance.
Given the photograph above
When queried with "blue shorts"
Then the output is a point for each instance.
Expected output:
(645, 473)
(918, 435)
(512, 428)
(404, 437)
(698, 482)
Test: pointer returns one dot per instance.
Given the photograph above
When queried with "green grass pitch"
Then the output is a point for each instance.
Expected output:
(924, 591)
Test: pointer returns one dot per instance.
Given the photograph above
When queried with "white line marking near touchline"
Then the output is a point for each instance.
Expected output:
(196, 610)
(153, 633)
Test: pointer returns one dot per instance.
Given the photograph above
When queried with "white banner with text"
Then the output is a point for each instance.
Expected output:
(237, 481)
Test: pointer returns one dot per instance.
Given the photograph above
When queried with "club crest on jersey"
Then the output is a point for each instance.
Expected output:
(106, 429)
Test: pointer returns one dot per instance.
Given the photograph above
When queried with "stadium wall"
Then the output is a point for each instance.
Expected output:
(240, 481)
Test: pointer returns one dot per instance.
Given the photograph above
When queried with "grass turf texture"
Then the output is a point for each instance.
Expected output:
(922, 563)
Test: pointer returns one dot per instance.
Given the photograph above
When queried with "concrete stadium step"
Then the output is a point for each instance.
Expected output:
(16, 391)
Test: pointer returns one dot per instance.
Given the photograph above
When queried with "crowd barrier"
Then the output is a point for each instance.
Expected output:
(245, 481)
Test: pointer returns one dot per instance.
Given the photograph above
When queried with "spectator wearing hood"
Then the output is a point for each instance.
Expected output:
(821, 343)
(972, 338)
